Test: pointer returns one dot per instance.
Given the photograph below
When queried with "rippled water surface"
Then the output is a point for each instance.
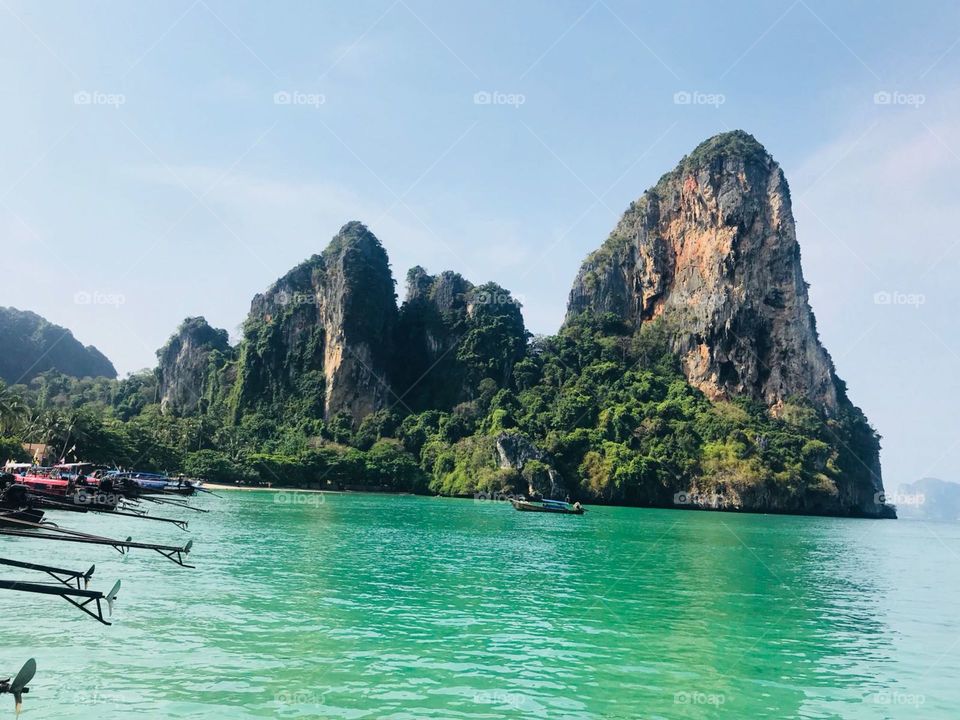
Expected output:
(366, 606)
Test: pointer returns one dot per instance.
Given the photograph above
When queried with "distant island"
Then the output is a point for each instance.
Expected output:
(688, 373)
(31, 345)
(928, 499)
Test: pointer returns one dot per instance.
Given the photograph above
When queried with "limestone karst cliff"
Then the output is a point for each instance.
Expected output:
(712, 250)
(711, 253)
(688, 372)
(451, 335)
(187, 366)
(321, 335)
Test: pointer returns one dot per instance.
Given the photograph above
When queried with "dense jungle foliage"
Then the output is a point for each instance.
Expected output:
(610, 409)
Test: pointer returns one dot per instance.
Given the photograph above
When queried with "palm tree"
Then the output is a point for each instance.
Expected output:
(13, 411)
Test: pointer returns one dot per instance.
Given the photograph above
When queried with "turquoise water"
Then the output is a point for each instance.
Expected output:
(367, 606)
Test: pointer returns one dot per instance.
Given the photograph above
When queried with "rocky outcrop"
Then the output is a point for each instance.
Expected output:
(187, 363)
(516, 452)
(712, 250)
(711, 254)
(452, 335)
(433, 318)
(321, 336)
(32, 345)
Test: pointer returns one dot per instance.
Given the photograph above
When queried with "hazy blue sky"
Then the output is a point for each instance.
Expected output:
(150, 171)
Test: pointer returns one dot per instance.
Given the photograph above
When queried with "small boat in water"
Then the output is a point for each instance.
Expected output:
(549, 506)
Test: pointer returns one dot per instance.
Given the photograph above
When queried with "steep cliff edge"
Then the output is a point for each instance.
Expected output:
(320, 336)
(187, 365)
(711, 252)
(712, 249)
(32, 345)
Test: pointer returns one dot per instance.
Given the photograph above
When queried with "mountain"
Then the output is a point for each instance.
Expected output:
(321, 336)
(711, 253)
(928, 499)
(187, 366)
(712, 249)
(688, 371)
(451, 335)
(32, 345)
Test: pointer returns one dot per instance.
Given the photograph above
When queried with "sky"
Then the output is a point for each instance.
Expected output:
(170, 159)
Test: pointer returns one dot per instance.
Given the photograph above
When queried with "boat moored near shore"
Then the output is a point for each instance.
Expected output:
(559, 507)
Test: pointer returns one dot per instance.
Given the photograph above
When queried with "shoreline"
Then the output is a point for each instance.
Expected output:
(276, 489)
(247, 488)
(682, 508)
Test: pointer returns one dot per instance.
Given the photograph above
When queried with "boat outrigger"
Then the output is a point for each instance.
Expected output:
(80, 597)
(174, 553)
(18, 686)
(549, 506)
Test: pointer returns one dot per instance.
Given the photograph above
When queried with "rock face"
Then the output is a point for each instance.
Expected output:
(712, 249)
(711, 253)
(32, 345)
(186, 363)
(321, 335)
(516, 452)
(433, 319)
(451, 336)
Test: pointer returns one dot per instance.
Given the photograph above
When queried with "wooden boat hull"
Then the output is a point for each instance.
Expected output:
(524, 506)
(53, 486)
(23, 514)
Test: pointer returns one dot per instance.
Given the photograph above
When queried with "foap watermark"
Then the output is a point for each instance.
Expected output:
(495, 496)
(96, 692)
(296, 97)
(297, 698)
(495, 298)
(895, 97)
(698, 499)
(895, 297)
(97, 97)
(695, 97)
(499, 697)
(297, 298)
(495, 97)
(85, 497)
(97, 297)
(308, 499)
(895, 697)
(900, 499)
(696, 697)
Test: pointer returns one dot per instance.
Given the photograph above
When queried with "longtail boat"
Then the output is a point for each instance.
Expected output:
(549, 506)
(46, 480)
(8, 518)
(15, 505)
(155, 483)
(18, 686)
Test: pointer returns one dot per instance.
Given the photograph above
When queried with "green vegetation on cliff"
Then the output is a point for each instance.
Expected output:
(610, 409)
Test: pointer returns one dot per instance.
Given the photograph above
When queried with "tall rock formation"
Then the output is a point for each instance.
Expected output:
(320, 337)
(433, 319)
(188, 364)
(712, 249)
(451, 335)
(32, 345)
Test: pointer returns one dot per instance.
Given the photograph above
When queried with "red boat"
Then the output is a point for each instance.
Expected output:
(45, 483)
